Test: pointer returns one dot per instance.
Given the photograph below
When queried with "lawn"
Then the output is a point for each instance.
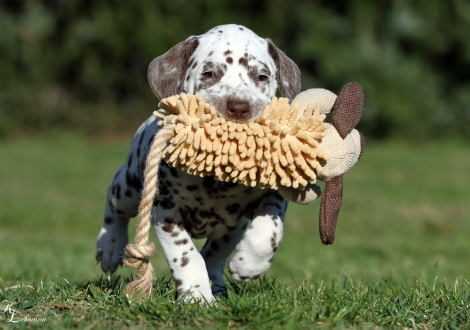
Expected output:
(400, 258)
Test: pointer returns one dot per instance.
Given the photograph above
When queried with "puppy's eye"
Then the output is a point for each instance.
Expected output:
(209, 74)
(262, 77)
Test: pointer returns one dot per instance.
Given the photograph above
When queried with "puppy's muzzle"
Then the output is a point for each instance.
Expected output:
(238, 110)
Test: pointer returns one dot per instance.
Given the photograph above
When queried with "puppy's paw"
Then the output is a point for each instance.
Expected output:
(197, 293)
(244, 267)
(110, 246)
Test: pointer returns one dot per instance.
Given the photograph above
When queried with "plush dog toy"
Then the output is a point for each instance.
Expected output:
(344, 146)
(286, 149)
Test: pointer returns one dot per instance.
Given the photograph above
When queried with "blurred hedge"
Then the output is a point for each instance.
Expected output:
(82, 65)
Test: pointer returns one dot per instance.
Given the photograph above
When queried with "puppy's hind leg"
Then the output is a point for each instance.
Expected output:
(216, 252)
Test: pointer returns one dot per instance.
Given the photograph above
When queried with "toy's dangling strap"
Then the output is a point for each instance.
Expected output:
(346, 112)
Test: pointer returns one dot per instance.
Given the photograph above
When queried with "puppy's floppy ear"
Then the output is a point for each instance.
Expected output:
(288, 73)
(166, 73)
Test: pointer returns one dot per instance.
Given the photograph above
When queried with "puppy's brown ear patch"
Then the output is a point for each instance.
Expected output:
(166, 73)
(288, 73)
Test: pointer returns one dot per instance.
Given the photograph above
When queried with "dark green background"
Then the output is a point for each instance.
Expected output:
(81, 65)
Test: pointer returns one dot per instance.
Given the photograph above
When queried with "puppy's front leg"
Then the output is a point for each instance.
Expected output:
(186, 263)
(256, 250)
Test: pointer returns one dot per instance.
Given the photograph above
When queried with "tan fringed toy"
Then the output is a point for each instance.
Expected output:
(286, 149)
(279, 148)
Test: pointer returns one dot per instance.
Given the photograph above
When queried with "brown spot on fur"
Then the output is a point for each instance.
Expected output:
(229, 60)
(274, 219)
(168, 226)
(243, 61)
(167, 203)
(184, 261)
(273, 242)
(181, 242)
(178, 283)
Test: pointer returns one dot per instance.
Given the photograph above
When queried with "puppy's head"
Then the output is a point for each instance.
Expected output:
(236, 71)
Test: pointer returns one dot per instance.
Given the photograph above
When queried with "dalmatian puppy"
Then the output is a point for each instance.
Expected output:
(238, 73)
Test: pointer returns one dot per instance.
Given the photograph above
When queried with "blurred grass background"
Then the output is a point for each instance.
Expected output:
(73, 90)
(399, 220)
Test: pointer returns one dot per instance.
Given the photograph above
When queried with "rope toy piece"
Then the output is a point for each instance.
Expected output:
(138, 255)
(285, 149)
(280, 148)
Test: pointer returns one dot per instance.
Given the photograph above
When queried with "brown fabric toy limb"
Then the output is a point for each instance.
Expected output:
(329, 209)
(346, 111)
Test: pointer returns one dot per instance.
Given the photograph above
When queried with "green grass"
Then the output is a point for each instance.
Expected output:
(400, 258)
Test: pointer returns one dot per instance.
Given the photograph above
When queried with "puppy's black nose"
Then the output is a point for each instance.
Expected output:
(238, 108)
